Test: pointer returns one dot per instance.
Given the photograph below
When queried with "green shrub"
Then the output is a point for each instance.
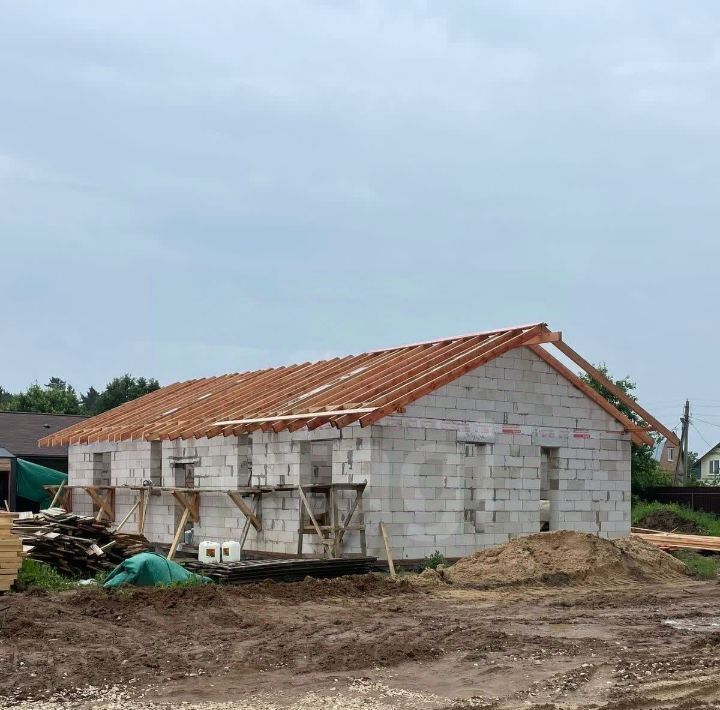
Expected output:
(37, 575)
(708, 523)
(435, 560)
(703, 566)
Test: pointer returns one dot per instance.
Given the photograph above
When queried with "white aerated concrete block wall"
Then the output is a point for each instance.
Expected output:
(465, 462)
(460, 469)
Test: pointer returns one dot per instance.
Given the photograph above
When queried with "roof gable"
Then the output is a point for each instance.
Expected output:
(355, 389)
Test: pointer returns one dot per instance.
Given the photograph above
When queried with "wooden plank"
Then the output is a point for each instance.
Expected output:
(246, 510)
(388, 550)
(639, 436)
(178, 533)
(617, 392)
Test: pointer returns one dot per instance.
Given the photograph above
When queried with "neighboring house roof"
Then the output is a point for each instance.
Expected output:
(20, 431)
(709, 451)
(359, 388)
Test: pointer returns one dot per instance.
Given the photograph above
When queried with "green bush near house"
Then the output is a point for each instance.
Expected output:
(706, 523)
(435, 560)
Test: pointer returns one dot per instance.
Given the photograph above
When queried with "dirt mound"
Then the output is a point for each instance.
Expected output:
(565, 557)
(669, 521)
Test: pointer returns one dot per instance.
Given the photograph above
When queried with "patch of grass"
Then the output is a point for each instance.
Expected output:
(703, 566)
(707, 522)
(435, 560)
(37, 575)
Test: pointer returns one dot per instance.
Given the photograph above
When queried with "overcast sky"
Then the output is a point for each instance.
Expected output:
(192, 188)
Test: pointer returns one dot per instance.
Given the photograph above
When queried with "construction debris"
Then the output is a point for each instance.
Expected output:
(10, 552)
(672, 541)
(285, 570)
(75, 545)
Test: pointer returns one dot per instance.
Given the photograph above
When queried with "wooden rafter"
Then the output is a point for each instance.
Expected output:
(405, 394)
(279, 399)
(616, 391)
(638, 436)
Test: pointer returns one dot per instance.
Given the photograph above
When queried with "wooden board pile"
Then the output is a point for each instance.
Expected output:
(280, 570)
(10, 552)
(672, 541)
(75, 545)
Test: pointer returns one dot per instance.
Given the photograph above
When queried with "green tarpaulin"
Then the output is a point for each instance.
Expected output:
(31, 477)
(148, 569)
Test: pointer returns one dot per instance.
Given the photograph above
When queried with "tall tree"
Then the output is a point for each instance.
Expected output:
(56, 397)
(645, 470)
(118, 391)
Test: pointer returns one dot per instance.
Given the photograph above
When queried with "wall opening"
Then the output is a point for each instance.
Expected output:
(155, 463)
(321, 461)
(548, 481)
(101, 469)
(475, 479)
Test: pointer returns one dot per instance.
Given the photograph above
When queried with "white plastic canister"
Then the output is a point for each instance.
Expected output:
(231, 551)
(209, 551)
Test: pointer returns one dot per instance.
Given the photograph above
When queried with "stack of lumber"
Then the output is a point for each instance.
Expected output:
(284, 570)
(75, 545)
(10, 552)
(672, 541)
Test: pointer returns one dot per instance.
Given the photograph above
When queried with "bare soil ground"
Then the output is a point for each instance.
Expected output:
(365, 643)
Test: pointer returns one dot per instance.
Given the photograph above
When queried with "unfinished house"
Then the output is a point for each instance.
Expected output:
(452, 444)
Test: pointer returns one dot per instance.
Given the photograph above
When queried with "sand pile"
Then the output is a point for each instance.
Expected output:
(566, 557)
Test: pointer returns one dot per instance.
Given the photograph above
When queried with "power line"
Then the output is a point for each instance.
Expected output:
(704, 421)
(692, 424)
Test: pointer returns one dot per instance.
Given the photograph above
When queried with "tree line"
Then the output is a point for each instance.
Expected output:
(59, 397)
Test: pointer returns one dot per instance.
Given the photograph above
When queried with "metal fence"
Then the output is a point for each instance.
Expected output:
(697, 498)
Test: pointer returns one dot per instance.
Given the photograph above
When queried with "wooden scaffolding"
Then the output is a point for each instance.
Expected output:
(330, 527)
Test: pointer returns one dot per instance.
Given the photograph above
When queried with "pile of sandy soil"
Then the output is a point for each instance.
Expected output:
(566, 557)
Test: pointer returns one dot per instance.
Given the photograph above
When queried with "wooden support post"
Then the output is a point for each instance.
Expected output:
(189, 501)
(361, 520)
(247, 511)
(246, 527)
(178, 533)
(335, 517)
(127, 517)
(142, 510)
(388, 550)
(106, 506)
(301, 528)
(57, 495)
(323, 541)
(356, 506)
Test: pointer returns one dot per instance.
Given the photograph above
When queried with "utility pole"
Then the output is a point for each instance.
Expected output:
(681, 472)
